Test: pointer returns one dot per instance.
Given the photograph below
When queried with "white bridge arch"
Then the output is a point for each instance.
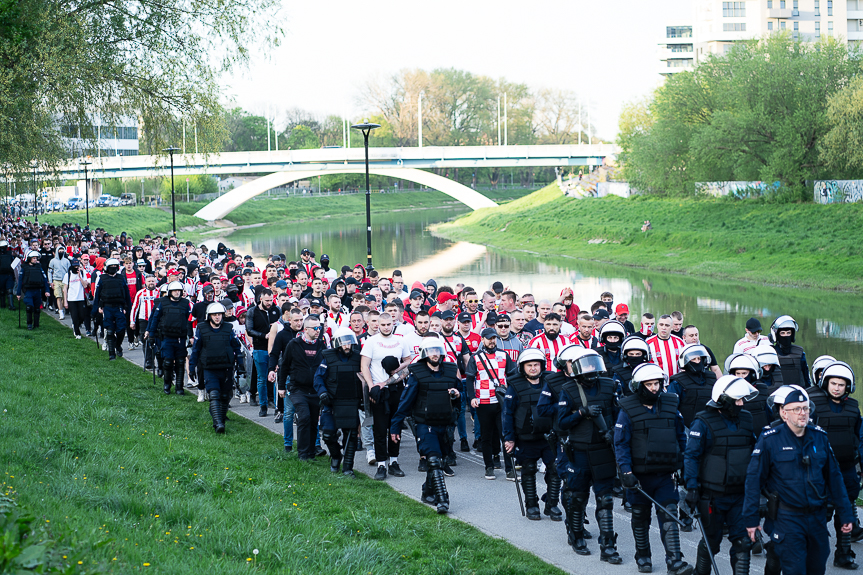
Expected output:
(225, 204)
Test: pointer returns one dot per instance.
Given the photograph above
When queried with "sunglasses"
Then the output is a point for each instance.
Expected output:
(472, 301)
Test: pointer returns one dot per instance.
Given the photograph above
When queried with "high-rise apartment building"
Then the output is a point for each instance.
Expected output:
(105, 139)
(676, 51)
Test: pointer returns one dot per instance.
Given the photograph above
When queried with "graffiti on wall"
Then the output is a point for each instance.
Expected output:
(838, 191)
(736, 189)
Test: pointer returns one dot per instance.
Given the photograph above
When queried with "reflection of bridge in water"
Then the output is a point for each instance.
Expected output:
(832, 330)
(292, 165)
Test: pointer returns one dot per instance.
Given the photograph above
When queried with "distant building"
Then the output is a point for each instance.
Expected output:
(111, 140)
(716, 26)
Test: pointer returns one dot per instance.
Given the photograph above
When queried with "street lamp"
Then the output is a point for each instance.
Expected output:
(86, 163)
(35, 166)
(366, 128)
(171, 151)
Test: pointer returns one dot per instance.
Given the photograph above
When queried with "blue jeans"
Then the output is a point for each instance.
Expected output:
(288, 422)
(261, 359)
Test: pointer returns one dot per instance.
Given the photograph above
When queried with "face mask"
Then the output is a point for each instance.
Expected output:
(732, 411)
(612, 347)
(633, 362)
(74, 269)
(646, 396)
(784, 340)
(696, 367)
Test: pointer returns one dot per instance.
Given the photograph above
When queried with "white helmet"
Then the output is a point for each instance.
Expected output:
(163, 289)
(634, 342)
(584, 361)
(175, 285)
(742, 361)
(612, 327)
(728, 389)
(33, 254)
(431, 346)
(788, 394)
(783, 322)
(647, 372)
(3, 243)
(818, 365)
(528, 355)
(765, 354)
(215, 308)
(344, 336)
(841, 370)
(693, 350)
(112, 262)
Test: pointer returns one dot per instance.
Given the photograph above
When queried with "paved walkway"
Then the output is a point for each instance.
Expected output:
(492, 506)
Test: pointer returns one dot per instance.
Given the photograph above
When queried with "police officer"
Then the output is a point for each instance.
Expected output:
(634, 352)
(792, 358)
(112, 300)
(7, 275)
(430, 394)
(585, 413)
(795, 465)
(839, 415)
(717, 454)
(611, 336)
(745, 366)
(818, 366)
(694, 383)
(649, 442)
(524, 432)
(156, 342)
(217, 350)
(171, 321)
(341, 395)
(32, 284)
(768, 359)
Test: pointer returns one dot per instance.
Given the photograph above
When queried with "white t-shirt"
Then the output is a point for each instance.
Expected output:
(745, 344)
(567, 329)
(377, 348)
(75, 290)
(412, 342)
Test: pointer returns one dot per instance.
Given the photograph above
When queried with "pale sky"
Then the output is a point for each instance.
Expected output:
(603, 50)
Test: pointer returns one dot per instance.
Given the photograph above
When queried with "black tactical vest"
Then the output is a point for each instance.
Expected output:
(773, 380)
(624, 374)
(216, 351)
(790, 365)
(33, 278)
(344, 386)
(758, 408)
(433, 405)
(174, 318)
(654, 444)
(723, 467)
(529, 425)
(555, 381)
(111, 290)
(585, 436)
(697, 395)
(6, 260)
(840, 427)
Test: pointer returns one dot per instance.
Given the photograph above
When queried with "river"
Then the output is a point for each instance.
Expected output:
(830, 322)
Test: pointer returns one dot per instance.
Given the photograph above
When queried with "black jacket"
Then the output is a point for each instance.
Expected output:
(300, 361)
(258, 321)
(283, 338)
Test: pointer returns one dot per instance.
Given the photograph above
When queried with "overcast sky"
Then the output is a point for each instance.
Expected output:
(603, 50)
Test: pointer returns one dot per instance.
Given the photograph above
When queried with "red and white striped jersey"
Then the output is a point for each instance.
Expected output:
(485, 382)
(591, 342)
(192, 287)
(476, 321)
(551, 348)
(336, 320)
(143, 305)
(665, 352)
(248, 297)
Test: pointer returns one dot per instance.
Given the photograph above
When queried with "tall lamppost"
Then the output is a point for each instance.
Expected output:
(171, 151)
(35, 166)
(366, 128)
(86, 163)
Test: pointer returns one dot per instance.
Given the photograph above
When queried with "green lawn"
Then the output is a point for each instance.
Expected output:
(137, 221)
(783, 244)
(137, 481)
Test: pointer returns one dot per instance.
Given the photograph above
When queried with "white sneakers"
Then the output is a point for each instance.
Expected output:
(77, 337)
(62, 315)
(200, 396)
(104, 346)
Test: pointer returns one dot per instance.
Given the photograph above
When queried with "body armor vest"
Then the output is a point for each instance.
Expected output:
(723, 467)
(344, 386)
(216, 352)
(33, 278)
(529, 425)
(174, 321)
(790, 365)
(758, 408)
(6, 263)
(111, 290)
(624, 374)
(697, 394)
(585, 435)
(654, 444)
(433, 406)
(840, 427)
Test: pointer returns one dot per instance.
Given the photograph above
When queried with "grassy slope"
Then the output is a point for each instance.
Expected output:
(300, 208)
(791, 244)
(136, 221)
(94, 450)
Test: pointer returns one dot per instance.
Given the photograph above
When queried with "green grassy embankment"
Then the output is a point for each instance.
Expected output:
(138, 481)
(137, 221)
(807, 245)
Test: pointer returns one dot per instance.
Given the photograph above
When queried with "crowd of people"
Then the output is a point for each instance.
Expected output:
(354, 358)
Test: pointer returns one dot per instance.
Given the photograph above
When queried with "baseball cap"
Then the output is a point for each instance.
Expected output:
(497, 287)
(491, 318)
(351, 281)
(305, 251)
(753, 325)
(315, 301)
(464, 317)
(503, 318)
(370, 297)
(448, 314)
(621, 309)
(325, 257)
(600, 314)
(417, 293)
(489, 333)
(445, 297)
(304, 303)
(282, 284)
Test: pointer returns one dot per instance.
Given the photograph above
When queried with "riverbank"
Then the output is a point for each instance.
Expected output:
(142, 482)
(789, 245)
(137, 221)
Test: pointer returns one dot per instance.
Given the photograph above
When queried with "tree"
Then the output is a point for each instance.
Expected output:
(558, 116)
(69, 66)
(303, 138)
(246, 133)
(842, 147)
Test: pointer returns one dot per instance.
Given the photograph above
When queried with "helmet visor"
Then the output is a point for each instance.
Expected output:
(587, 365)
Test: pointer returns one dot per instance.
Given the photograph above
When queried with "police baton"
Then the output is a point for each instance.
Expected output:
(509, 463)
(19, 314)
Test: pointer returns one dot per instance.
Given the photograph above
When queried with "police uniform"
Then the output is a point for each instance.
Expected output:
(802, 473)
(792, 364)
(694, 391)
(32, 284)
(622, 375)
(772, 379)
(112, 296)
(649, 442)
(427, 397)
(588, 458)
(609, 357)
(216, 351)
(170, 320)
(336, 376)
(717, 455)
(7, 277)
(524, 425)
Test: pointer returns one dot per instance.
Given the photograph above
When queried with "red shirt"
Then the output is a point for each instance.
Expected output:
(131, 279)
(473, 341)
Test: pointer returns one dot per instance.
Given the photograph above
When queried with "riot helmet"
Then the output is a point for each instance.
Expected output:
(610, 328)
(818, 367)
(727, 390)
(647, 372)
(694, 358)
(528, 355)
(841, 370)
(631, 345)
(742, 361)
(432, 346)
(344, 336)
(783, 322)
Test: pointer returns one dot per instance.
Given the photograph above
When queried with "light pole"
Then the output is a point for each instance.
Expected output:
(35, 166)
(171, 151)
(366, 128)
(86, 163)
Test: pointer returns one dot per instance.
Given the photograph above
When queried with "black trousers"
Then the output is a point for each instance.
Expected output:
(307, 407)
(80, 314)
(489, 415)
(383, 416)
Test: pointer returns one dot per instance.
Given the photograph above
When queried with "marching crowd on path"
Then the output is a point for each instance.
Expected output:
(763, 442)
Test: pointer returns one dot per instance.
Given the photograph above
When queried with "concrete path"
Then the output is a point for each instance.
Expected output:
(492, 506)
